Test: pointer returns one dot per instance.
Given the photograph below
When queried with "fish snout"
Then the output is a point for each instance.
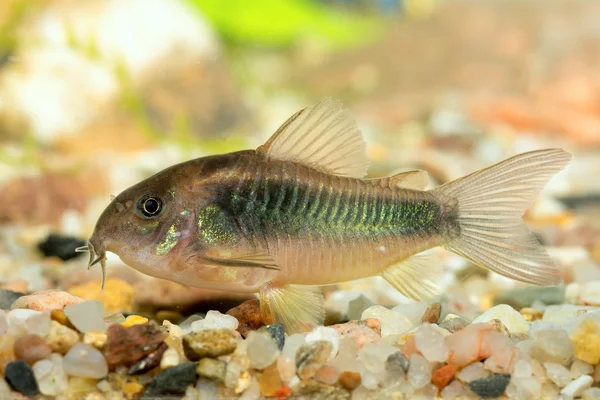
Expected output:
(97, 255)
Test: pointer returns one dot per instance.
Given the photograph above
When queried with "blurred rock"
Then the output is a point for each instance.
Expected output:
(248, 315)
(126, 346)
(117, 294)
(60, 246)
(47, 300)
(524, 297)
(8, 297)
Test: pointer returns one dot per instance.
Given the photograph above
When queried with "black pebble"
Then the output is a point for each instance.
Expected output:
(397, 362)
(60, 246)
(277, 333)
(7, 297)
(490, 387)
(19, 376)
(172, 381)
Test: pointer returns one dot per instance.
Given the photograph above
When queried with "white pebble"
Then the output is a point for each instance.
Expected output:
(579, 368)
(591, 394)
(472, 372)
(419, 371)
(392, 322)
(215, 320)
(328, 334)
(413, 311)
(512, 319)
(522, 369)
(558, 374)
(431, 343)
(50, 375)
(262, 350)
(578, 386)
(170, 358)
(16, 320)
(86, 316)
(38, 324)
(85, 361)
(590, 293)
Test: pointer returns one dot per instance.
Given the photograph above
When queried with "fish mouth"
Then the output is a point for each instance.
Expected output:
(97, 255)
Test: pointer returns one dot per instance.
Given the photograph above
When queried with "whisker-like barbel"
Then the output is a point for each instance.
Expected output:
(82, 249)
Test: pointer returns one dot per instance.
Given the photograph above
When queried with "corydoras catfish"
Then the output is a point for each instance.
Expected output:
(297, 213)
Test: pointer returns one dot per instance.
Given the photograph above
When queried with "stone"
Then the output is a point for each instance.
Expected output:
(443, 376)
(558, 374)
(276, 332)
(215, 320)
(397, 362)
(262, 350)
(3, 322)
(328, 334)
(211, 368)
(432, 314)
(269, 381)
(578, 386)
(455, 390)
(286, 363)
(563, 314)
(591, 394)
(419, 371)
(126, 346)
(511, 318)
(60, 317)
(522, 369)
(589, 294)
(209, 343)
(86, 316)
(358, 331)
(170, 358)
(95, 338)
(134, 320)
(373, 364)
(349, 380)
(490, 387)
(149, 362)
(61, 246)
(327, 374)
(430, 343)
(524, 297)
(414, 311)
(531, 314)
(579, 367)
(172, 381)
(8, 298)
(20, 377)
(552, 345)
(38, 324)
(60, 338)
(473, 372)
(248, 316)
(16, 320)
(357, 306)
(499, 352)
(392, 322)
(454, 323)
(527, 388)
(311, 357)
(31, 348)
(50, 375)
(85, 361)
(586, 341)
(117, 295)
(465, 345)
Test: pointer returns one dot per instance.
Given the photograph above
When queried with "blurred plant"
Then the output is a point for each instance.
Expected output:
(284, 23)
(9, 25)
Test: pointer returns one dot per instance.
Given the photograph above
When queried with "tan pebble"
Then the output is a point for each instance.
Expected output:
(531, 314)
(46, 300)
(243, 382)
(432, 314)
(31, 348)
(173, 330)
(95, 338)
(374, 324)
(60, 338)
(116, 296)
(248, 315)
(349, 380)
(60, 317)
(212, 369)
(311, 357)
(130, 389)
(269, 381)
(169, 359)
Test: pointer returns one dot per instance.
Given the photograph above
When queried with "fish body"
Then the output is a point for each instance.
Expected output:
(297, 213)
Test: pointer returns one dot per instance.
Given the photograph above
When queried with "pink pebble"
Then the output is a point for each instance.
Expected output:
(46, 300)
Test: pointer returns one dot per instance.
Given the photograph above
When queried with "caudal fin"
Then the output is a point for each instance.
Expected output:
(491, 203)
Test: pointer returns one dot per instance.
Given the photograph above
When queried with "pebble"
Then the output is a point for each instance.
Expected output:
(473, 372)
(31, 348)
(552, 345)
(3, 322)
(578, 386)
(563, 314)
(209, 343)
(430, 343)
(60, 338)
(359, 331)
(392, 322)
(262, 349)
(580, 367)
(349, 380)
(8, 297)
(591, 394)
(357, 306)
(20, 377)
(248, 316)
(85, 361)
(465, 345)
(490, 387)
(443, 376)
(328, 334)
(397, 363)
(586, 340)
(215, 320)
(38, 324)
(95, 338)
(512, 319)
(126, 346)
(61, 246)
(432, 314)
(419, 371)
(16, 320)
(172, 381)
(170, 358)
(531, 314)
(86, 316)
(149, 362)
(269, 381)
(311, 357)
(524, 297)
(212, 369)
(286, 363)
(276, 332)
(46, 300)
(116, 296)
(50, 375)
(589, 294)
(454, 323)
(558, 374)
(134, 320)
(455, 390)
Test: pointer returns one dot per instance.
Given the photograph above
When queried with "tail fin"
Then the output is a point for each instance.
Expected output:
(491, 203)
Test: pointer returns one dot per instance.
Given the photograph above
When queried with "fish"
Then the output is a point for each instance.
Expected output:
(297, 213)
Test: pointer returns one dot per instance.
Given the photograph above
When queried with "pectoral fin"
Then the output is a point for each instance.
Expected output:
(417, 277)
(298, 308)
(256, 260)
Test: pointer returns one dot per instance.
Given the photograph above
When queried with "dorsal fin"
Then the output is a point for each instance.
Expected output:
(416, 179)
(324, 137)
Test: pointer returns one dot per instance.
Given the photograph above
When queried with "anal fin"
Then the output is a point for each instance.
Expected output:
(417, 277)
(298, 308)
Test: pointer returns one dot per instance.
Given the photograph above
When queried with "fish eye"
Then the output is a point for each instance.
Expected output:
(149, 206)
